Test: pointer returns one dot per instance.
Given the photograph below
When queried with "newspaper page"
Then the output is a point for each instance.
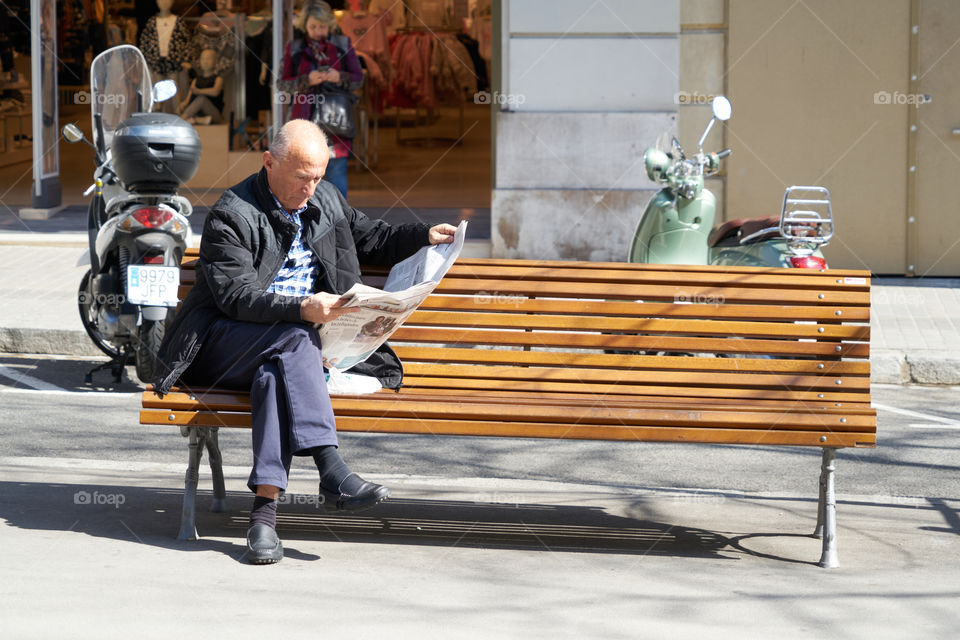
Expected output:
(352, 337)
(429, 263)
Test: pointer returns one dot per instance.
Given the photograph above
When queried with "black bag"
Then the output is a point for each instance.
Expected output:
(332, 111)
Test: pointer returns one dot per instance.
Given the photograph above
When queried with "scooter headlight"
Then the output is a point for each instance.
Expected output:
(656, 163)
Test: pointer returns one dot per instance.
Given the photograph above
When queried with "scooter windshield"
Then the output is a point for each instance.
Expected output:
(119, 86)
(667, 142)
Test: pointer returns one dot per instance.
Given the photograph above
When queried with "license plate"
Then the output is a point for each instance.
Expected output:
(152, 286)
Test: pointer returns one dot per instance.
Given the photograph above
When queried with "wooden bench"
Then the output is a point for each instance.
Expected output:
(602, 351)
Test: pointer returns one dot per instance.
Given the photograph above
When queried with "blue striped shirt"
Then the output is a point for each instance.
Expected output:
(298, 273)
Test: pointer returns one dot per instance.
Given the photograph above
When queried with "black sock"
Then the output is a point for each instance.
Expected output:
(335, 475)
(264, 512)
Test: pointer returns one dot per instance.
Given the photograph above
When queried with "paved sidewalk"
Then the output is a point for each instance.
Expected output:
(914, 323)
(90, 552)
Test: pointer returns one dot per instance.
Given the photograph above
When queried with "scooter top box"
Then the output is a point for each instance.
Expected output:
(155, 152)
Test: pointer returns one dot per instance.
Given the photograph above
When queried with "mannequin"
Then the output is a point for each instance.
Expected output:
(204, 101)
(215, 31)
(164, 45)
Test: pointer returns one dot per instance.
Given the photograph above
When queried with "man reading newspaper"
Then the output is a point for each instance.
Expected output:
(277, 251)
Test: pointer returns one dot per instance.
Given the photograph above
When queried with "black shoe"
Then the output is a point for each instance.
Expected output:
(366, 496)
(263, 545)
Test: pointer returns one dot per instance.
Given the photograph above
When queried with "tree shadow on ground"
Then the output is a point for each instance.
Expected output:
(152, 515)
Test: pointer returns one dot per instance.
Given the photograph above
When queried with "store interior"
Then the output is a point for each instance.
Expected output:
(422, 142)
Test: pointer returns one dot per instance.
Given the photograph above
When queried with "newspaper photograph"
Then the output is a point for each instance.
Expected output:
(353, 337)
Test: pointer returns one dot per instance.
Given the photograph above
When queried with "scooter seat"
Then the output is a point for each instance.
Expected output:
(731, 231)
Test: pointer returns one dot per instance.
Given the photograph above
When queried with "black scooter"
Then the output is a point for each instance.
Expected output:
(137, 222)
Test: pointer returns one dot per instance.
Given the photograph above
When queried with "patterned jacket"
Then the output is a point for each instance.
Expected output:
(177, 53)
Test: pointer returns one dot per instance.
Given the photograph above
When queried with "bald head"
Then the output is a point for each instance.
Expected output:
(296, 134)
(296, 161)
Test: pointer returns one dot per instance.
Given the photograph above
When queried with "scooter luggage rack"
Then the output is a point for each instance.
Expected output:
(795, 224)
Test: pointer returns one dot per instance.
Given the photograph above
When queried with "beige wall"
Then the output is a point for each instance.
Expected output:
(802, 78)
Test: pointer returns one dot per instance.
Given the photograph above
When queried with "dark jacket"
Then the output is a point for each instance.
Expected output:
(245, 242)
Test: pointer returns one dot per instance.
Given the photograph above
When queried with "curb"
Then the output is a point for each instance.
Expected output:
(49, 341)
(887, 366)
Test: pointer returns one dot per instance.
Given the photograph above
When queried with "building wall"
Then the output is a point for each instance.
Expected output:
(584, 88)
(595, 83)
(802, 78)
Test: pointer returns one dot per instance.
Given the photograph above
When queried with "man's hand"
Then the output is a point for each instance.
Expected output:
(323, 307)
(442, 233)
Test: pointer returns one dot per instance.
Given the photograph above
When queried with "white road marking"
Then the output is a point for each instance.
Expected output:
(928, 425)
(64, 392)
(914, 414)
(30, 381)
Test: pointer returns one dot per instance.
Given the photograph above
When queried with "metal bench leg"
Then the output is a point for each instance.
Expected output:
(188, 527)
(216, 468)
(827, 511)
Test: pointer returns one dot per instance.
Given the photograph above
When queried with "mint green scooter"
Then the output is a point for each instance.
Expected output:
(677, 226)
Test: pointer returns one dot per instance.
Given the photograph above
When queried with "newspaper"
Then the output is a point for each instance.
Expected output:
(352, 337)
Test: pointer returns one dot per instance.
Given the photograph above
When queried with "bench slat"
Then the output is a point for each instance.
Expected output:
(380, 406)
(639, 433)
(624, 389)
(685, 378)
(628, 342)
(492, 302)
(628, 291)
(224, 401)
(619, 275)
(461, 355)
(667, 268)
(784, 330)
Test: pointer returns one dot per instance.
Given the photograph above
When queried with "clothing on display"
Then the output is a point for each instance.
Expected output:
(165, 44)
(395, 17)
(368, 33)
(430, 68)
(215, 32)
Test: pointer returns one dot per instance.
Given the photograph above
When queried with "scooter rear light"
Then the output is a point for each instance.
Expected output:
(153, 259)
(808, 262)
(152, 217)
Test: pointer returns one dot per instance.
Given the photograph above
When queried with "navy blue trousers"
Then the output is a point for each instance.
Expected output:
(281, 367)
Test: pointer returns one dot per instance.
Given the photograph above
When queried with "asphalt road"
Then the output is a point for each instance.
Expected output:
(47, 411)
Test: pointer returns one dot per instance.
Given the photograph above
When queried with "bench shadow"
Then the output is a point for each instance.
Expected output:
(151, 516)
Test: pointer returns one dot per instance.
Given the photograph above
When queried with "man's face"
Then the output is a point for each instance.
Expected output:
(295, 177)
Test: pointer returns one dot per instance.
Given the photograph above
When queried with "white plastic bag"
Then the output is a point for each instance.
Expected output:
(340, 383)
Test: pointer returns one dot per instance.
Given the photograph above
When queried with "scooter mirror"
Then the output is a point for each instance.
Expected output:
(721, 108)
(164, 90)
(71, 133)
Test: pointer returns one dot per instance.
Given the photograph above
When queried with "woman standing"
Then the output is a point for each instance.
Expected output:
(314, 58)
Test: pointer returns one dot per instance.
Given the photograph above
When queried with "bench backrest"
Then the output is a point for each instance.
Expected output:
(710, 336)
